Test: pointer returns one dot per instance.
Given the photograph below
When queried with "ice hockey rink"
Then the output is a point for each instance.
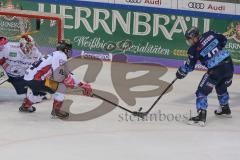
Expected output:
(111, 137)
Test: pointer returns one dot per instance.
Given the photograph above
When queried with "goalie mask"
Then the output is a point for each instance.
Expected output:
(26, 44)
(65, 47)
(3, 42)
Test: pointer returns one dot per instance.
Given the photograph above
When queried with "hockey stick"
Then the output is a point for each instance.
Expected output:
(19, 36)
(143, 114)
(38, 27)
(113, 103)
(3, 75)
(123, 108)
(137, 113)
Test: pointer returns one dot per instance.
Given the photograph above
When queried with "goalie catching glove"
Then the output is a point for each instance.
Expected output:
(71, 82)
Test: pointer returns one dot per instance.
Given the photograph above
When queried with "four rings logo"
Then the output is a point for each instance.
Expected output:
(196, 5)
(133, 1)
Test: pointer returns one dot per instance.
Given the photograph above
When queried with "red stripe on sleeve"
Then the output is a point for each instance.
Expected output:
(43, 71)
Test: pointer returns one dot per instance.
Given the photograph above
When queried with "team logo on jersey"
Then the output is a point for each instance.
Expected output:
(13, 54)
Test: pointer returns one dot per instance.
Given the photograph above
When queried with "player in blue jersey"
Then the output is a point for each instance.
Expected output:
(208, 48)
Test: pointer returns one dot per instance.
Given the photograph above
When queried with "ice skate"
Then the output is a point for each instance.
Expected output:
(27, 106)
(57, 112)
(223, 111)
(200, 119)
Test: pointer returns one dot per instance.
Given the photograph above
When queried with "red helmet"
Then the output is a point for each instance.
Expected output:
(26, 44)
(3, 41)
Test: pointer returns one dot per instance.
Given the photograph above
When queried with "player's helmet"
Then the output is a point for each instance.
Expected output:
(26, 44)
(192, 33)
(3, 41)
(65, 47)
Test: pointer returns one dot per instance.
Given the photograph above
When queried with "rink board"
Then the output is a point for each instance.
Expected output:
(155, 35)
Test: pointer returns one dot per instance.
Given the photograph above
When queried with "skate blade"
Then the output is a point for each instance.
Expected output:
(224, 116)
(26, 111)
(56, 117)
(53, 117)
(193, 123)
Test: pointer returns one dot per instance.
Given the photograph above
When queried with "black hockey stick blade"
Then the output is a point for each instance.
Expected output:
(140, 114)
(143, 114)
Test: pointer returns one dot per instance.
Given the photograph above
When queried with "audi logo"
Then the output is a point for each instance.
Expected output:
(196, 5)
(133, 1)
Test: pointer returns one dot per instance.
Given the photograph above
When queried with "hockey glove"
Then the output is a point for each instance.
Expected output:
(181, 74)
(72, 82)
(87, 89)
(69, 82)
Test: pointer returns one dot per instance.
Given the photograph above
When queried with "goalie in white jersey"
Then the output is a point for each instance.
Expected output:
(15, 58)
(50, 74)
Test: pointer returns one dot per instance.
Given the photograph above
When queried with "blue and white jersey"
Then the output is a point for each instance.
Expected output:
(209, 51)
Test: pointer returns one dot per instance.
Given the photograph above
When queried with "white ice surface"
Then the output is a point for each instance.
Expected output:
(38, 137)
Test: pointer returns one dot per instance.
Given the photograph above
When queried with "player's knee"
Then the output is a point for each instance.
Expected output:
(59, 96)
(206, 90)
(228, 83)
(206, 86)
(222, 89)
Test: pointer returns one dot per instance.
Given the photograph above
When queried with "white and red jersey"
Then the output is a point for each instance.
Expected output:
(47, 66)
(14, 61)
